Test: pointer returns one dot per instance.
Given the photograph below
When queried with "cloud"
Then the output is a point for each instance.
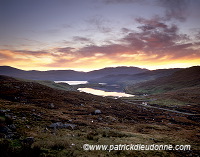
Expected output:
(126, 30)
(81, 39)
(150, 24)
(175, 9)
(159, 40)
(122, 1)
(154, 42)
(99, 23)
(197, 35)
(65, 49)
(35, 53)
(103, 50)
(22, 58)
(154, 36)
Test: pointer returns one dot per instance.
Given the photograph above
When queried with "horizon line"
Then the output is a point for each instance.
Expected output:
(97, 69)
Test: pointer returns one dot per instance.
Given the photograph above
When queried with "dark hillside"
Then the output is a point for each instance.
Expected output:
(45, 121)
(189, 77)
(134, 78)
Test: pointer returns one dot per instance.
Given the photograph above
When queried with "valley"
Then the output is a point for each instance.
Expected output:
(54, 119)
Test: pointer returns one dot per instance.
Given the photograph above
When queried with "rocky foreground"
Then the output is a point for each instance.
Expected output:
(36, 120)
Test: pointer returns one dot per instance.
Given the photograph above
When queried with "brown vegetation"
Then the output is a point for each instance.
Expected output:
(33, 107)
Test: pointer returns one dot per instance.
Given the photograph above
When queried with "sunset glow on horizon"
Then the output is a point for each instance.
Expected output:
(70, 34)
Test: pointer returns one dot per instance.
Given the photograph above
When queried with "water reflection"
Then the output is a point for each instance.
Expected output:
(104, 93)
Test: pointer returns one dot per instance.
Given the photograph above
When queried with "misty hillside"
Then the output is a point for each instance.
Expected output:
(67, 75)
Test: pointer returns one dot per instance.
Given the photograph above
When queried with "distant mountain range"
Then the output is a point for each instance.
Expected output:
(127, 79)
(68, 75)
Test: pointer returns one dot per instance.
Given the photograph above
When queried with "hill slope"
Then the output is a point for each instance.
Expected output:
(188, 77)
(185, 78)
(37, 120)
(134, 78)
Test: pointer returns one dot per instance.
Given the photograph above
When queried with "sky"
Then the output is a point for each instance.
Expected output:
(84, 35)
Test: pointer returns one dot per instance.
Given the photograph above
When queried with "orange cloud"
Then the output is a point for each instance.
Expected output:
(156, 45)
(47, 61)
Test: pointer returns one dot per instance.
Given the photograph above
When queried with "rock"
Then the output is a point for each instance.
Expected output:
(5, 130)
(8, 119)
(27, 126)
(9, 136)
(56, 125)
(29, 140)
(4, 111)
(100, 118)
(46, 130)
(23, 118)
(69, 126)
(14, 117)
(60, 125)
(12, 127)
(110, 118)
(51, 105)
(144, 103)
(97, 112)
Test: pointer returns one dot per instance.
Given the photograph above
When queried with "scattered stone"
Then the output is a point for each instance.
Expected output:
(56, 125)
(8, 119)
(60, 125)
(9, 136)
(4, 111)
(144, 103)
(29, 140)
(69, 126)
(100, 118)
(28, 126)
(97, 112)
(14, 117)
(51, 105)
(23, 118)
(46, 130)
(5, 129)
(70, 120)
(110, 118)
(12, 127)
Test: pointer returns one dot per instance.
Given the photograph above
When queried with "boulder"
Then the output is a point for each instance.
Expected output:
(56, 125)
(60, 125)
(51, 105)
(12, 127)
(69, 126)
(97, 112)
(28, 140)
